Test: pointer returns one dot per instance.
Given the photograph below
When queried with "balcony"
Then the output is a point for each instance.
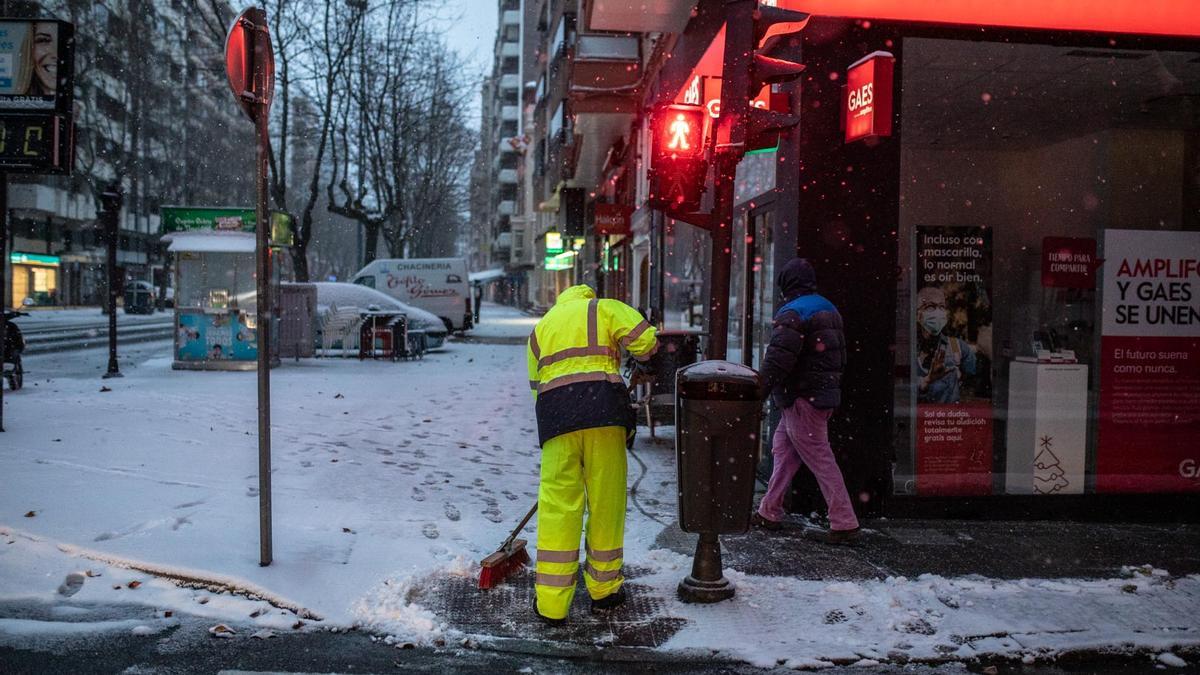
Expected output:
(510, 82)
(45, 199)
(510, 17)
(503, 241)
(508, 176)
(607, 73)
(510, 113)
(510, 50)
(638, 16)
(506, 146)
(506, 208)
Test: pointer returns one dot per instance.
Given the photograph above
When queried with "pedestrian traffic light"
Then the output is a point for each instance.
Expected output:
(678, 133)
(678, 159)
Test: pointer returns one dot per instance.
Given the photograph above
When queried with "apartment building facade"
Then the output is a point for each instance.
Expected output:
(154, 114)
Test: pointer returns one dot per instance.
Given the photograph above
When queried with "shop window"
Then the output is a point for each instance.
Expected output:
(1031, 362)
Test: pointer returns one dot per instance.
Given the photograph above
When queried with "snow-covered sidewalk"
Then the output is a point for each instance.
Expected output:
(392, 479)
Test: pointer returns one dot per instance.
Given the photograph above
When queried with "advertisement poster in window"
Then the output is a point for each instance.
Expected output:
(206, 336)
(951, 370)
(1149, 436)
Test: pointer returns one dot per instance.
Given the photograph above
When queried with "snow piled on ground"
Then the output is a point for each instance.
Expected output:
(380, 470)
(389, 474)
(805, 623)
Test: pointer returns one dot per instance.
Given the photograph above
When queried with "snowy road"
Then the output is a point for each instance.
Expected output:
(389, 477)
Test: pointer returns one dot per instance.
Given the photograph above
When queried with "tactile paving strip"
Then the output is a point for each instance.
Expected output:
(507, 611)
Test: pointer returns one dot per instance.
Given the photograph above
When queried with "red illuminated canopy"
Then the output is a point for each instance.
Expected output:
(1151, 17)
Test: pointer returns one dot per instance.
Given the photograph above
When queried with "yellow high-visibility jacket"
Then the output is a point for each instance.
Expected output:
(574, 357)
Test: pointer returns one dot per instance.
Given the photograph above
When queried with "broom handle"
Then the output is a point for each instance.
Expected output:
(521, 526)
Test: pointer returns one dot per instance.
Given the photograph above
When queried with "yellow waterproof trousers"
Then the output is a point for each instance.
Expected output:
(590, 464)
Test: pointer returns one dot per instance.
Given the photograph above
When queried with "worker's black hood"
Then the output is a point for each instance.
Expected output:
(796, 278)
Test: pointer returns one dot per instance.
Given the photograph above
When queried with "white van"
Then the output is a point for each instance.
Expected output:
(436, 285)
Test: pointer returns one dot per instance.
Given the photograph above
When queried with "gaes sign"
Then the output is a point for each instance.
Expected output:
(867, 98)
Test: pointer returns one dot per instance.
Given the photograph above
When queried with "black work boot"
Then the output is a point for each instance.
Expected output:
(545, 619)
(835, 537)
(609, 602)
(757, 520)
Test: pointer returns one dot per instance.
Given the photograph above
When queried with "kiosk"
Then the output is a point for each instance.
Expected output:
(215, 300)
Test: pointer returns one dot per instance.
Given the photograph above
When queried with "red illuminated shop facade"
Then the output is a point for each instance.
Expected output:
(1003, 199)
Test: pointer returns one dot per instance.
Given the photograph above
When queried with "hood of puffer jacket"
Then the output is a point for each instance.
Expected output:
(580, 292)
(796, 278)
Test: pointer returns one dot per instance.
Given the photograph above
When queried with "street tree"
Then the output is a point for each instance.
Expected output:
(400, 138)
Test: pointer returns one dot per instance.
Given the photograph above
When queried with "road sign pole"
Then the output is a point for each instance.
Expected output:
(263, 302)
(250, 67)
(263, 272)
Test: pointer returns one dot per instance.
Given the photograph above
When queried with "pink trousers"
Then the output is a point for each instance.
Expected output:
(803, 437)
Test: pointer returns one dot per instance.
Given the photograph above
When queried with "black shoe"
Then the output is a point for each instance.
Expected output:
(835, 537)
(545, 619)
(609, 602)
(758, 521)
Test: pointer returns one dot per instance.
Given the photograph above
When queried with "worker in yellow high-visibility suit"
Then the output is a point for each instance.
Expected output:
(584, 418)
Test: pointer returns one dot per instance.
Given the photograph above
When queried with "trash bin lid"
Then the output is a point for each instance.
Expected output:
(721, 380)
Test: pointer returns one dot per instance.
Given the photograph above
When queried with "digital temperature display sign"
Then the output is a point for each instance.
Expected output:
(35, 143)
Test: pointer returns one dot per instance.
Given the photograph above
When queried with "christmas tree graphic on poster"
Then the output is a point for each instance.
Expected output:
(1048, 474)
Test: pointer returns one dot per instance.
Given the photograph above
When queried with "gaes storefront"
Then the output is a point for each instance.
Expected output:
(1034, 219)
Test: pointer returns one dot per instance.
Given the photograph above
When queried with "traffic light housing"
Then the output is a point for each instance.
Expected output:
(752, 30)
(678, 158)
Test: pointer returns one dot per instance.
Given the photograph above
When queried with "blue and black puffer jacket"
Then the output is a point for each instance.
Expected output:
(807, 352)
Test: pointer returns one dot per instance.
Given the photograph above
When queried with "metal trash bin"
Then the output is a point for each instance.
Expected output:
(718, 416)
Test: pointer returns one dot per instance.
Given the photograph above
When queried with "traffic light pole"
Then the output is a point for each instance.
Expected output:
(721, 232)
(739, 127)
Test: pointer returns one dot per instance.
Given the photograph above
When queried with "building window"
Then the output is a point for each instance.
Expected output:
(564, 36)
(555, 123)
(1040, 358)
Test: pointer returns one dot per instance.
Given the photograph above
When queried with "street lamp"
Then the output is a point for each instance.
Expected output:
(110, 214)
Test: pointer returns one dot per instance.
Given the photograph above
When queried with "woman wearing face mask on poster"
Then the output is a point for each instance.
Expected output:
(942, 360)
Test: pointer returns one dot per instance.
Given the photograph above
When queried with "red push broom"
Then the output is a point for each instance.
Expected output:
(509, 557)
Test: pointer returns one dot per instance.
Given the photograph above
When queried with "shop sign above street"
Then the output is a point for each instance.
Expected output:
(181, 218)
(21, 258)
(612, 219)
(867, 97)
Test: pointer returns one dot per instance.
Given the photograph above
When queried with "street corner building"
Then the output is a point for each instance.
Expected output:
(1002, 200)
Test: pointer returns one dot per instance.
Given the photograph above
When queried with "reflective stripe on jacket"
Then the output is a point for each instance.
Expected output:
(574, 362)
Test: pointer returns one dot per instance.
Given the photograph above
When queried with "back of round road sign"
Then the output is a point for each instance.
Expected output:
(251, 70)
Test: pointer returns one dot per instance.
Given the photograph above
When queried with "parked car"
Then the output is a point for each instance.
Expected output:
(141, 297)
(438, 285)
(342, 295)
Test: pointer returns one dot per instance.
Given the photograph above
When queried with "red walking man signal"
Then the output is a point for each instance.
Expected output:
(677, 164)
(680, 129)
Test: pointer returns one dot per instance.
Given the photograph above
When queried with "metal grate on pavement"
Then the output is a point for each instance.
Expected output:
(507, 612)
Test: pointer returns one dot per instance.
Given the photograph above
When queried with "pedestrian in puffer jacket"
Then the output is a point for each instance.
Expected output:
(802, 372)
